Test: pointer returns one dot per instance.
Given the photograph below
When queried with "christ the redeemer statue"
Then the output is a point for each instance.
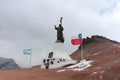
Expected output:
(60, 29)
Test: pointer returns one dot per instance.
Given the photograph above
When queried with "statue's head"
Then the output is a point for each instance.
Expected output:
(61, 18)
(60, 25)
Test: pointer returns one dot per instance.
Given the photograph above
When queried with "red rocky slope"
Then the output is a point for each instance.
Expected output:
(105, 54)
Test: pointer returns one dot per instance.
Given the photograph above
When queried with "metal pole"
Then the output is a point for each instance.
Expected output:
(81, 52)
(30, 58)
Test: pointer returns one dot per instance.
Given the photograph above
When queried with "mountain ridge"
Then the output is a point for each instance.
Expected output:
(8, 64)
(98, 39)
(103, 52)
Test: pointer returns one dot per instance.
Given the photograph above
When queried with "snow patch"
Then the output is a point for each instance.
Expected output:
(96, 53)
(80, 66)
(94, 73)
(61, 70)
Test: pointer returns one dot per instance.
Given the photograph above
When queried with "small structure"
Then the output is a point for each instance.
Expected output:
(57, 57)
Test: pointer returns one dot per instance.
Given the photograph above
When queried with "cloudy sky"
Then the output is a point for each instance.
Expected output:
(30, 24)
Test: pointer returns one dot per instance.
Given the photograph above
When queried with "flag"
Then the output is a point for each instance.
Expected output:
(77, 40)
(27, 51)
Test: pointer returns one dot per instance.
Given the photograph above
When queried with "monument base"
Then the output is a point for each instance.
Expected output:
(57, 58)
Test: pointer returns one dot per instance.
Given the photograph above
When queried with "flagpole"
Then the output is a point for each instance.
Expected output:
(82, 52)
(30, 58)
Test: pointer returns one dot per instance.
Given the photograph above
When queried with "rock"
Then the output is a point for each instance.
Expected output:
(97, 39)
(8, 64)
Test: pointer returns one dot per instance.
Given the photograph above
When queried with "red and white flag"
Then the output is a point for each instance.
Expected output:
(77, 40)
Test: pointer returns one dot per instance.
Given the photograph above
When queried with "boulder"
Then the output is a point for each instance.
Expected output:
(8, 64)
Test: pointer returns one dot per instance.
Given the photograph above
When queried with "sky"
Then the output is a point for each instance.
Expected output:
(30, 24)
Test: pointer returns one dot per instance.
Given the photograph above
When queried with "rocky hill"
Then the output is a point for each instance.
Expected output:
(104, 54)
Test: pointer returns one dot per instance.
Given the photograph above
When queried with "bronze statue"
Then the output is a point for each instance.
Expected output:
(60, 29)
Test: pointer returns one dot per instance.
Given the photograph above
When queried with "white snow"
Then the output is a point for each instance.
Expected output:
(94, 73)
(96, 53)
(81, 65)
(60, 70)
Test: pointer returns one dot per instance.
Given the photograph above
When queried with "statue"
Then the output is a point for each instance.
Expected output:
(60, 29)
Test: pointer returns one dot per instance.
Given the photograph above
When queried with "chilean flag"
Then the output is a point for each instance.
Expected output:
(77, 40)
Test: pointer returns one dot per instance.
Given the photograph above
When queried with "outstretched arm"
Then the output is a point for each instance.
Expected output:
(61, 20)
(55, 27)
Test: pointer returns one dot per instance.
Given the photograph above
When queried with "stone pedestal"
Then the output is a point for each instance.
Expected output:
(57, 57)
